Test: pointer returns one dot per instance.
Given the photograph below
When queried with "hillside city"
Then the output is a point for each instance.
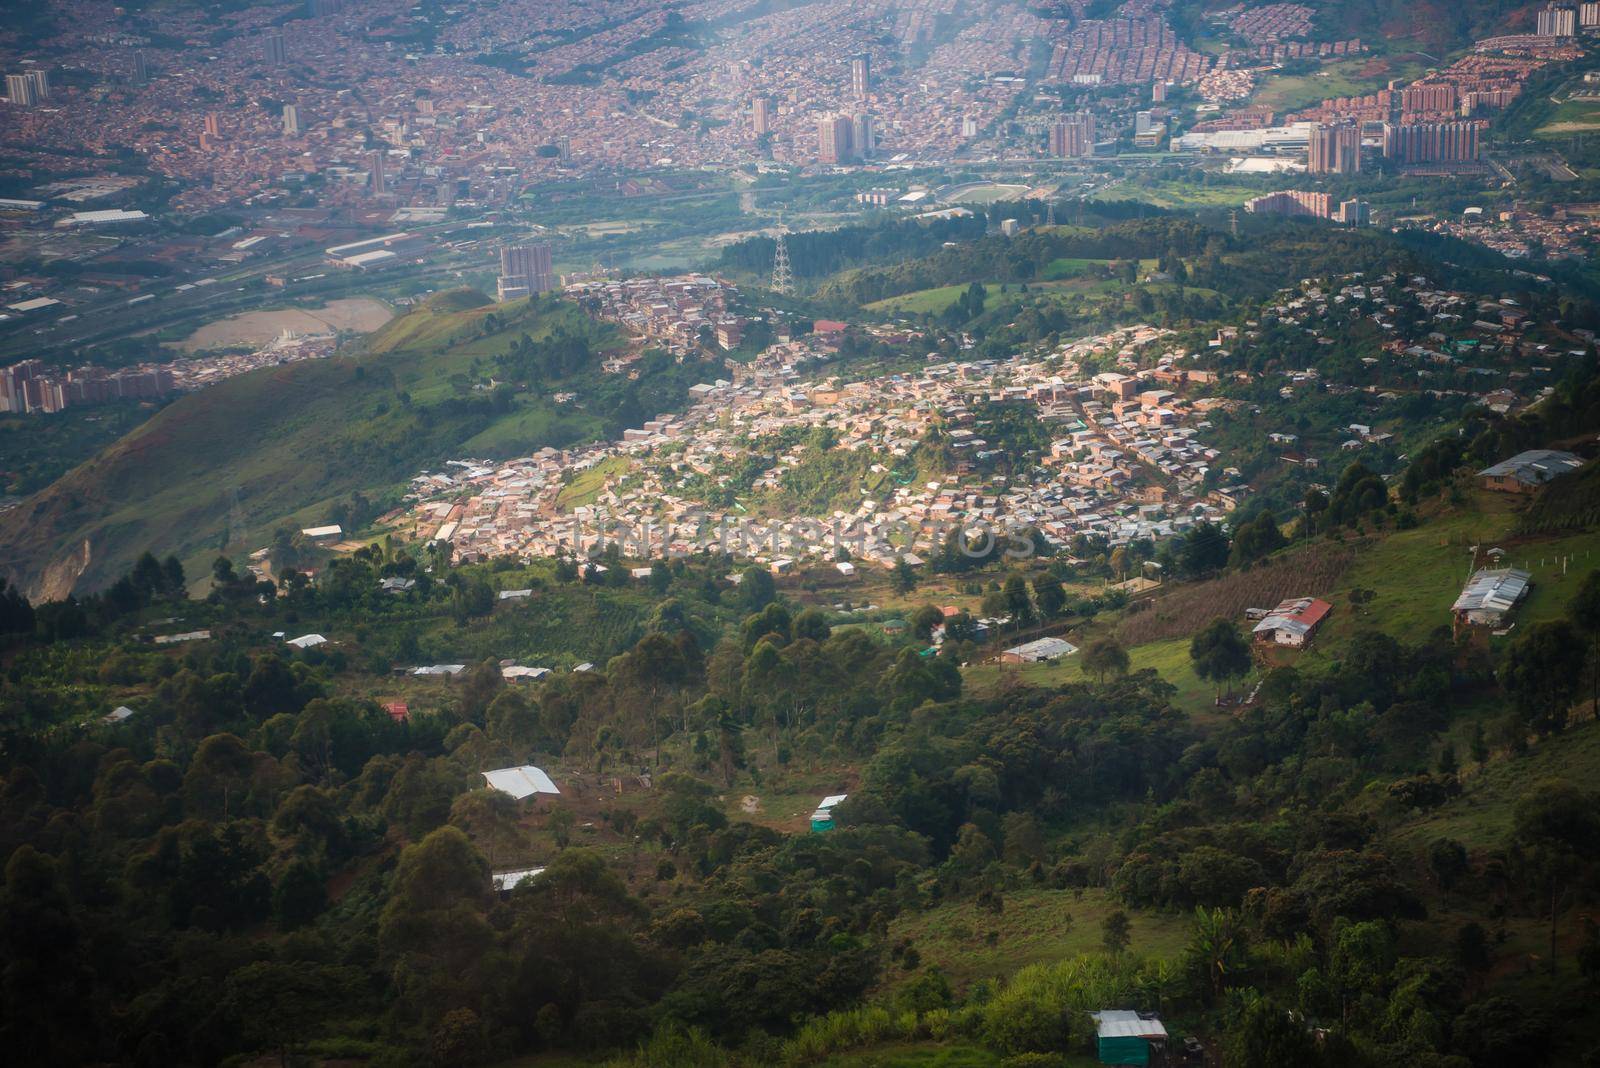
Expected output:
(744, 533)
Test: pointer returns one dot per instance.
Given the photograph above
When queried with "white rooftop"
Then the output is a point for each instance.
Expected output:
(521, 782)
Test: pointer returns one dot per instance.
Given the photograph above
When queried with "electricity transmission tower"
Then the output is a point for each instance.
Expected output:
(782, 277)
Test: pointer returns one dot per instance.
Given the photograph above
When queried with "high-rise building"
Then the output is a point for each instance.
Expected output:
(835, 138)
(1292, 202)
(141, 69)
(861, 75)
(1589, 14)
(1557, 20)
(761, 116)
(380, 183)
(525, 270)
(1429, 96)
(1353, 212)
(41, 84)
(969, 126)
(1158, 93)
(1334, 149)
(20, 90)
(863, 135)
(1142, 122)
(1072, 137)
(1430, 142)
(291, 120)
(275, 50)
(213, 126)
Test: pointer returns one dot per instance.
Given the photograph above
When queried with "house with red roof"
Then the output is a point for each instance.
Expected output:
(1293, 623)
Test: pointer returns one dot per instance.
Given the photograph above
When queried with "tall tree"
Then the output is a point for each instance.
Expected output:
(1219, 653)
(1543, 672)
(1105, 656)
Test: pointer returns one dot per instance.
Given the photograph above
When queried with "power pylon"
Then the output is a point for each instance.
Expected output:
(782, 278)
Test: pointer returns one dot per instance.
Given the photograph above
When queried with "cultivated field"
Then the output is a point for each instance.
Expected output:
(1179, 614)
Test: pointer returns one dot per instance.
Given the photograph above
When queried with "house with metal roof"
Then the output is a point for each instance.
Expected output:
(1123, 1036)
(1292, 623)
(1489, 596)
(1038, 651)
(1528, 471)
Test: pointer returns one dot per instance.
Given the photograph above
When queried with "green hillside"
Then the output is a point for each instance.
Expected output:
(286, 443)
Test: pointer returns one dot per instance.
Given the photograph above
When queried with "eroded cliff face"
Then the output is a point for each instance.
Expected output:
(59, 578)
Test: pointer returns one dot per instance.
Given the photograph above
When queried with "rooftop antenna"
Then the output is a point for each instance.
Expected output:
(1050, 213)
(782, 278)
(1233, 219)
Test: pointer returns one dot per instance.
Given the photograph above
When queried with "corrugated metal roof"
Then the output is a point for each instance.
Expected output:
(1493, 590)
(521, 782)
(1125, 1023)
(509, 880)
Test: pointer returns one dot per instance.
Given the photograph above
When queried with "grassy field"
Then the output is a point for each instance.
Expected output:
(1169, 659)
(1175, 194)
(1481, 817)
(586, 486)
(1067, 285)
(1417, 574)
(1571, 117)
(923, 301)
(1036, 925)
(1346, 77)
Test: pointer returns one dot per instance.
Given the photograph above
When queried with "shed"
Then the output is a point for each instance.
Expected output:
(1124, 1036)
(1489, 596)
(518, 673)
(822, 818)
(118, 714)
(506, 881)
(307, 641)
(521, 782)
(1038, 651)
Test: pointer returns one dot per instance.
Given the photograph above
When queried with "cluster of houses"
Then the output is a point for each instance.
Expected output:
(1127, 461)
(678, 313)
(1450, 342)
